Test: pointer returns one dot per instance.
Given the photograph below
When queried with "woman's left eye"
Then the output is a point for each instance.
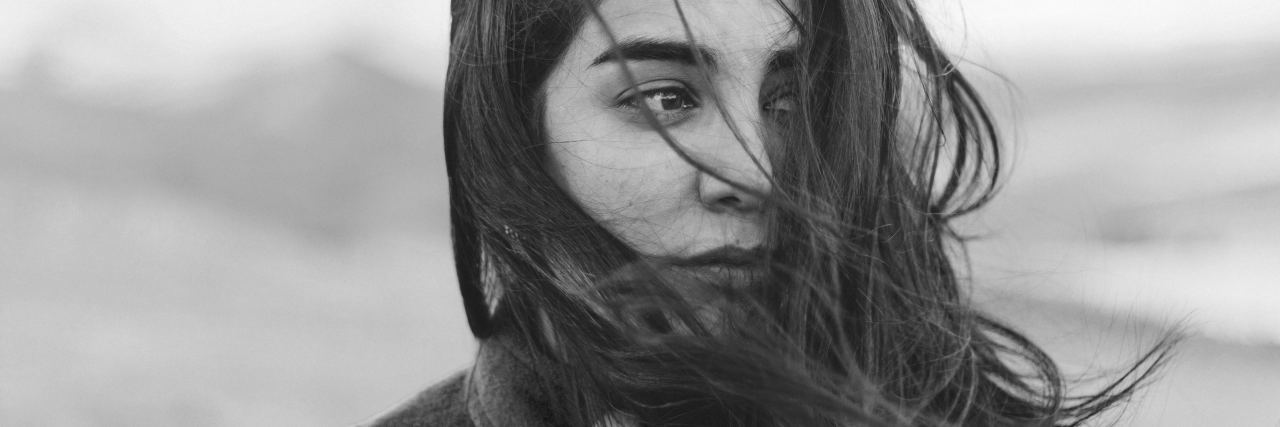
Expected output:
(781, 104)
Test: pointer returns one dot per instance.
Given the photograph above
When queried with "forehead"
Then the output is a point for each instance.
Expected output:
(743, 28)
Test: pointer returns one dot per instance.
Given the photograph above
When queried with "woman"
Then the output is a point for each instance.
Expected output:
(723, 212)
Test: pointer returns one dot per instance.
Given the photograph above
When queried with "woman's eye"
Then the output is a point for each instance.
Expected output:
(779, 95)
(669, 104)
(782, 104)
(668, 99)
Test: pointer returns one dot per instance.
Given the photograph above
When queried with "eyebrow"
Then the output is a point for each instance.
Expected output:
(648, 49)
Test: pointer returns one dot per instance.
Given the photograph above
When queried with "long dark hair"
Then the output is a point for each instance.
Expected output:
(864, 320)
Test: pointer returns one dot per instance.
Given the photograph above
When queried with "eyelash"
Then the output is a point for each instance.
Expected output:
(781, 101)
(671, 91)
(780, 105)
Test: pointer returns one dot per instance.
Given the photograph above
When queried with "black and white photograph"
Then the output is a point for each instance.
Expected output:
(630, 213)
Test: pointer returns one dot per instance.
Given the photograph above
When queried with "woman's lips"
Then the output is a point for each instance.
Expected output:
(722, 256)
(732, 266)
(732, 275)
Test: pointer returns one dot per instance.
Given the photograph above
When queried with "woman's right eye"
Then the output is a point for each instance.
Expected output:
(668, 99)
(670, 104)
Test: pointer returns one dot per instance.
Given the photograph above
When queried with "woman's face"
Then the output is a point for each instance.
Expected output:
(609, 159)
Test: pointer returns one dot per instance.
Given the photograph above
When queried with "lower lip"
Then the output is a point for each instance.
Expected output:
(735, 276)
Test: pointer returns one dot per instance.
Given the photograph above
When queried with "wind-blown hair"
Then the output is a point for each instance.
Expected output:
(862, 321)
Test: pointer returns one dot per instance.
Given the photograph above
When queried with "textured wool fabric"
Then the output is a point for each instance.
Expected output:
(503, 389)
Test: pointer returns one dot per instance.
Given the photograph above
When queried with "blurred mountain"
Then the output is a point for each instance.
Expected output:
(331, 147)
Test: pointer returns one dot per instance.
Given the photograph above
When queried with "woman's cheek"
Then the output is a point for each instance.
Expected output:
(635, 194)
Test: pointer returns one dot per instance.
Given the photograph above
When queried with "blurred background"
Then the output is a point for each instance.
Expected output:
(226, 213)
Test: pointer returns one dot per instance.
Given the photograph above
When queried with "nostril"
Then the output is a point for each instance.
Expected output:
(721, 196)
(731, 201)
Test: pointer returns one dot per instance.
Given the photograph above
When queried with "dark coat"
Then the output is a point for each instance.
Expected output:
(503, 389)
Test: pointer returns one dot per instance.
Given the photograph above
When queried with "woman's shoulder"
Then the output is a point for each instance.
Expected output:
(443, 404)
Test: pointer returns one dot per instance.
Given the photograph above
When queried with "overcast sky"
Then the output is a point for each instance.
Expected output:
(188, 43)
(183, 44)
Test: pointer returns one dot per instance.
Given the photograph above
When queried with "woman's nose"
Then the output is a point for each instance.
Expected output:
(721, 196)
(741, 161)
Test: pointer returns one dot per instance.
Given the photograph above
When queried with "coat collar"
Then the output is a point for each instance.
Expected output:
(507, 387)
